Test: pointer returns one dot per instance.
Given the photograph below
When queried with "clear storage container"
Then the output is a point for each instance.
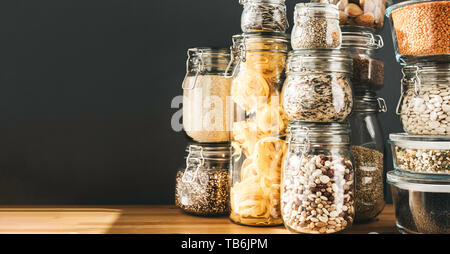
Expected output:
(203, 185)
(316, 26)
(422, 204)
(421, 154)
(361, 13)
(368, 152)
(318, 86)
(424, 105)
(258, 126)
(317, 190)
(264, 16)
(368, 71)
(420, 30)
(205, 92)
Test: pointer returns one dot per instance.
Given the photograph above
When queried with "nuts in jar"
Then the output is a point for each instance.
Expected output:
(365, 13)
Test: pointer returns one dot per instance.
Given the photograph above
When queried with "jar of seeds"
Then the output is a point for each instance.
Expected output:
(424, 105)
(318, 86)
(368, 152)
(317, 189)
(202, 186)
(264, 16)
(316, 26)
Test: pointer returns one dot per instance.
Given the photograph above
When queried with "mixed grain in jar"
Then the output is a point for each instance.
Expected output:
(318, 86)
(264, 16)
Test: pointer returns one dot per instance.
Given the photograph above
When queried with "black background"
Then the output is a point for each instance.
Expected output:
(86, 90)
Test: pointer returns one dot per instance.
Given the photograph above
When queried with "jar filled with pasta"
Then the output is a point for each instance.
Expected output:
(205, 93)
(318, 86)
(258, 128)
(264, 16)
(317, 189)
(203, 185)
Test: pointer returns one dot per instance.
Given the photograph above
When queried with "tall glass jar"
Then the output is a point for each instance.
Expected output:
(368, 153)
(317, 190)
(318, 86)
(258, 126)
(368, 71)
(203, 184)
(424, 105)
(316, 26)
(264, 16)
(205, 93)
(366, 14)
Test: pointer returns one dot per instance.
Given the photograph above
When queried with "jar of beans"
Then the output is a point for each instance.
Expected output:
(264, 16)
(424, 105)
(368, 71)
(361, 13)
(317, 188)
(202, 186)
(318, 86)
(316, 26)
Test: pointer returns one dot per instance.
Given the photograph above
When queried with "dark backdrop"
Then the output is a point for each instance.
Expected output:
(85, 94)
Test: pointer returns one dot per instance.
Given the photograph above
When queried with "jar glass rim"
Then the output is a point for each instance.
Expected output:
(209, 51)
(357, 37)
(242, 2)
(394, 7)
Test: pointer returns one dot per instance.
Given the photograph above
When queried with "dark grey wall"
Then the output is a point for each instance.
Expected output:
(85, 94)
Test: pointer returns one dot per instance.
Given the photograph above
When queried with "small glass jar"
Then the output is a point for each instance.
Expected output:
(264, 16)
(368, 153)
(205, 93)
(361, 13)
(203, 185)
(316, 26)
(317, 189)
(318, 86)
(368, 72)
(424, 105)
(258, 126)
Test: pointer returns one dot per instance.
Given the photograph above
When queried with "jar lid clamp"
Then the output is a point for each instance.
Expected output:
(190, 175)
(200, 68)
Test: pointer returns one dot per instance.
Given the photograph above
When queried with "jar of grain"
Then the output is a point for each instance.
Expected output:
(317, 189)
(202, 185)
(205, 93)
(258, 127)
(424, 105)
(264, 16)
(361, 13)
(367, 147)
(318, 86)
(368, 71)
(316, 26)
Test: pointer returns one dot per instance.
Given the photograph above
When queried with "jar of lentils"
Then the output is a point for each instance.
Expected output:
(424, 105)
(264, 16)
(318, 86)
(317, 189)
(202, 185)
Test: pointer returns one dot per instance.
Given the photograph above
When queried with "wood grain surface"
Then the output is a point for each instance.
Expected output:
(144, 220)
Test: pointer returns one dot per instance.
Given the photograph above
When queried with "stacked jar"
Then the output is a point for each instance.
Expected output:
(202, 185)
(258, 121)
(421, 179)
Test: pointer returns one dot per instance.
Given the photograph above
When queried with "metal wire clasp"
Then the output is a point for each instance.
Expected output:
(190, 175)
(305, 149)
(199, 69)
(237, 52)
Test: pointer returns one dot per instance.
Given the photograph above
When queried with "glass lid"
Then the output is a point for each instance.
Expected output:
(420, 142)
(419, 182)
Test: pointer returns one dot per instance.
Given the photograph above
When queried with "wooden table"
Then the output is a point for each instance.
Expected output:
(143, 220)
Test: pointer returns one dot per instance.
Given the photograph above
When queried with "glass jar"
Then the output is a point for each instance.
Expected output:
(264, 16)
(205, 93)
(318, 86)
(424, 105)
(317, 189)
(368, 72)
(258, 126)
(203, 185)
(368, 153)
(316, 26)
(369, 13)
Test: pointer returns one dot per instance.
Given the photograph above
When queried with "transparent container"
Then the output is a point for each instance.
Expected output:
(317, 189)
(318, 86)
(428, 155)
(368, 71)
(421, 203)
(203, 184)
(420, 30)
(205, 92)
(259, 124)
(424, 105)
(264, 16)
(316, 26)
(365, 14)
(368, 153)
